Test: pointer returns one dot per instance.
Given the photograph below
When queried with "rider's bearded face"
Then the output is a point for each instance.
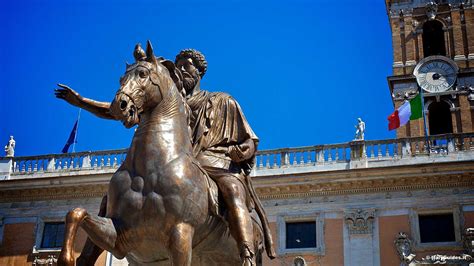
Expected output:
(190, 73)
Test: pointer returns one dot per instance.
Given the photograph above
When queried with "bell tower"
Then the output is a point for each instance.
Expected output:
(433, 50)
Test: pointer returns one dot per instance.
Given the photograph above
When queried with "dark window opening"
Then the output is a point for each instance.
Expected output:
(433, 38)
(53, 235)
(440, 121)
(436, 228)
(300, 235)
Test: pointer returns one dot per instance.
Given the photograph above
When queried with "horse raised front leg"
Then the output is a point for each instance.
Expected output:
(91, 251)
(100, 230)
(181, 244)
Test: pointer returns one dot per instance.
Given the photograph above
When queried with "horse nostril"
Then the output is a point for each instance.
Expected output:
(131, 112)
(123, 105)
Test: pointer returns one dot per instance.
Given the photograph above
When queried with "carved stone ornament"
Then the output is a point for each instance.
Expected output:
(404, 249)
(299, 261)
(360, 221)
(403, 245)
(51, 260)
(468, 241)
(431, 10)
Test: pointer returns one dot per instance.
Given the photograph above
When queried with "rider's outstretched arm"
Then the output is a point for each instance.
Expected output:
(100, 109)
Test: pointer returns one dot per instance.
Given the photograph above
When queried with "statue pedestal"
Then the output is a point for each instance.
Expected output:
(358, 154)
(6, 167)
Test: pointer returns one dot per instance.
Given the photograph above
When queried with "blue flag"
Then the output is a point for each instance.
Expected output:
(71, 139)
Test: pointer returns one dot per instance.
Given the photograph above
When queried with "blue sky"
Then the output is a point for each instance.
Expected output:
(302, 71)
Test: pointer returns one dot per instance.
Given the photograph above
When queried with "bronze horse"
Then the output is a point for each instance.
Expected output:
(157, 211)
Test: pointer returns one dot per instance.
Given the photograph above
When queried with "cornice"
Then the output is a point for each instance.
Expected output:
(366, 186)
(302, 185)
(54, 193)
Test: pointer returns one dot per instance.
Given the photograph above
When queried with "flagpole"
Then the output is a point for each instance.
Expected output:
(424, 119)
(77, 130)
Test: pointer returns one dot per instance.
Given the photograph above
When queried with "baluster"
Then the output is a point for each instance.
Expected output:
(35, 166)
(426, 148)
(60, 164)
(29, 166)
(344, 154)
(102, 161)
(66, 166)
(260, 162)
(417, 147)
(379, 151)
(321, 156)
(329, 155)
(267, 161)
(310, 159)
(71, 163)
(301, 162)
(372, 152)
(275, 161)
(115, 161)
(336, 154)
(108, 160)
(285, 160)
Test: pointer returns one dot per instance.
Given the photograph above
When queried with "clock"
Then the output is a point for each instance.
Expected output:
(436, 73)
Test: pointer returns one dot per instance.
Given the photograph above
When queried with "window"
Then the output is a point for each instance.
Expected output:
(433, 38)
(436, 228)
(53, 235)
(439, 117)
(300, 235)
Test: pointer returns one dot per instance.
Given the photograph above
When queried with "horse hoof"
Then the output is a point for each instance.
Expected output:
(65, 259)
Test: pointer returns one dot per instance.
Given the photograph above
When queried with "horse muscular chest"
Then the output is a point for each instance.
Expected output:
(163, 184)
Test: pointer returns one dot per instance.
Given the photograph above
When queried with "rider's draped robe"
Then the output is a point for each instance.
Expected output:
(217, 122)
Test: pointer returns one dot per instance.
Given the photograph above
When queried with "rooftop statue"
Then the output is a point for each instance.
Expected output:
(187, 141)
(10, 147)
(360, 129)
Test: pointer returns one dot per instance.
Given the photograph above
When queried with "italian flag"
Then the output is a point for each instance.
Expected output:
(410, 110)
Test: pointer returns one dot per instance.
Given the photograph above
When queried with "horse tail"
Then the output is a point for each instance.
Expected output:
(263, 219)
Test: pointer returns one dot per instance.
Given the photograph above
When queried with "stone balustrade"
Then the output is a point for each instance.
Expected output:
(346, 155)
(68, 161)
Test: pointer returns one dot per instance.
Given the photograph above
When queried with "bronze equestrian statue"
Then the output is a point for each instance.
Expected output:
(154, 211)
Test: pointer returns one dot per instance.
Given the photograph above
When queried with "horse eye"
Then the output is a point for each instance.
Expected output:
(142, 74)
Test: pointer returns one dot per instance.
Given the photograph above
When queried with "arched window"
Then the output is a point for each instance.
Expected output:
(433, 38)
(439, 117)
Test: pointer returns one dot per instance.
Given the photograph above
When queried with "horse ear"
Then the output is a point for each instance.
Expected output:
(150, 56)
(138, 53)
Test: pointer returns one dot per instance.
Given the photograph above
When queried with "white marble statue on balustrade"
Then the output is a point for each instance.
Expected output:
(10, 147)
(360, 129)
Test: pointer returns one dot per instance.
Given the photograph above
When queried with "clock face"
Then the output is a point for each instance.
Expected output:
(436, 74)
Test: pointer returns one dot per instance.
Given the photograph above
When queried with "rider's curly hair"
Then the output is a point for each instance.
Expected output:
(198, 58)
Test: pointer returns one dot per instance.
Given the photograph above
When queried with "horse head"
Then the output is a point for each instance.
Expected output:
(143, 86)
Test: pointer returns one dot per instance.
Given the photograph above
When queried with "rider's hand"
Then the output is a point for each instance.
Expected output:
(68, 94)
(242, 152)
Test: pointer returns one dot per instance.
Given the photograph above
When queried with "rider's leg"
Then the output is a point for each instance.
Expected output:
(240, 222)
